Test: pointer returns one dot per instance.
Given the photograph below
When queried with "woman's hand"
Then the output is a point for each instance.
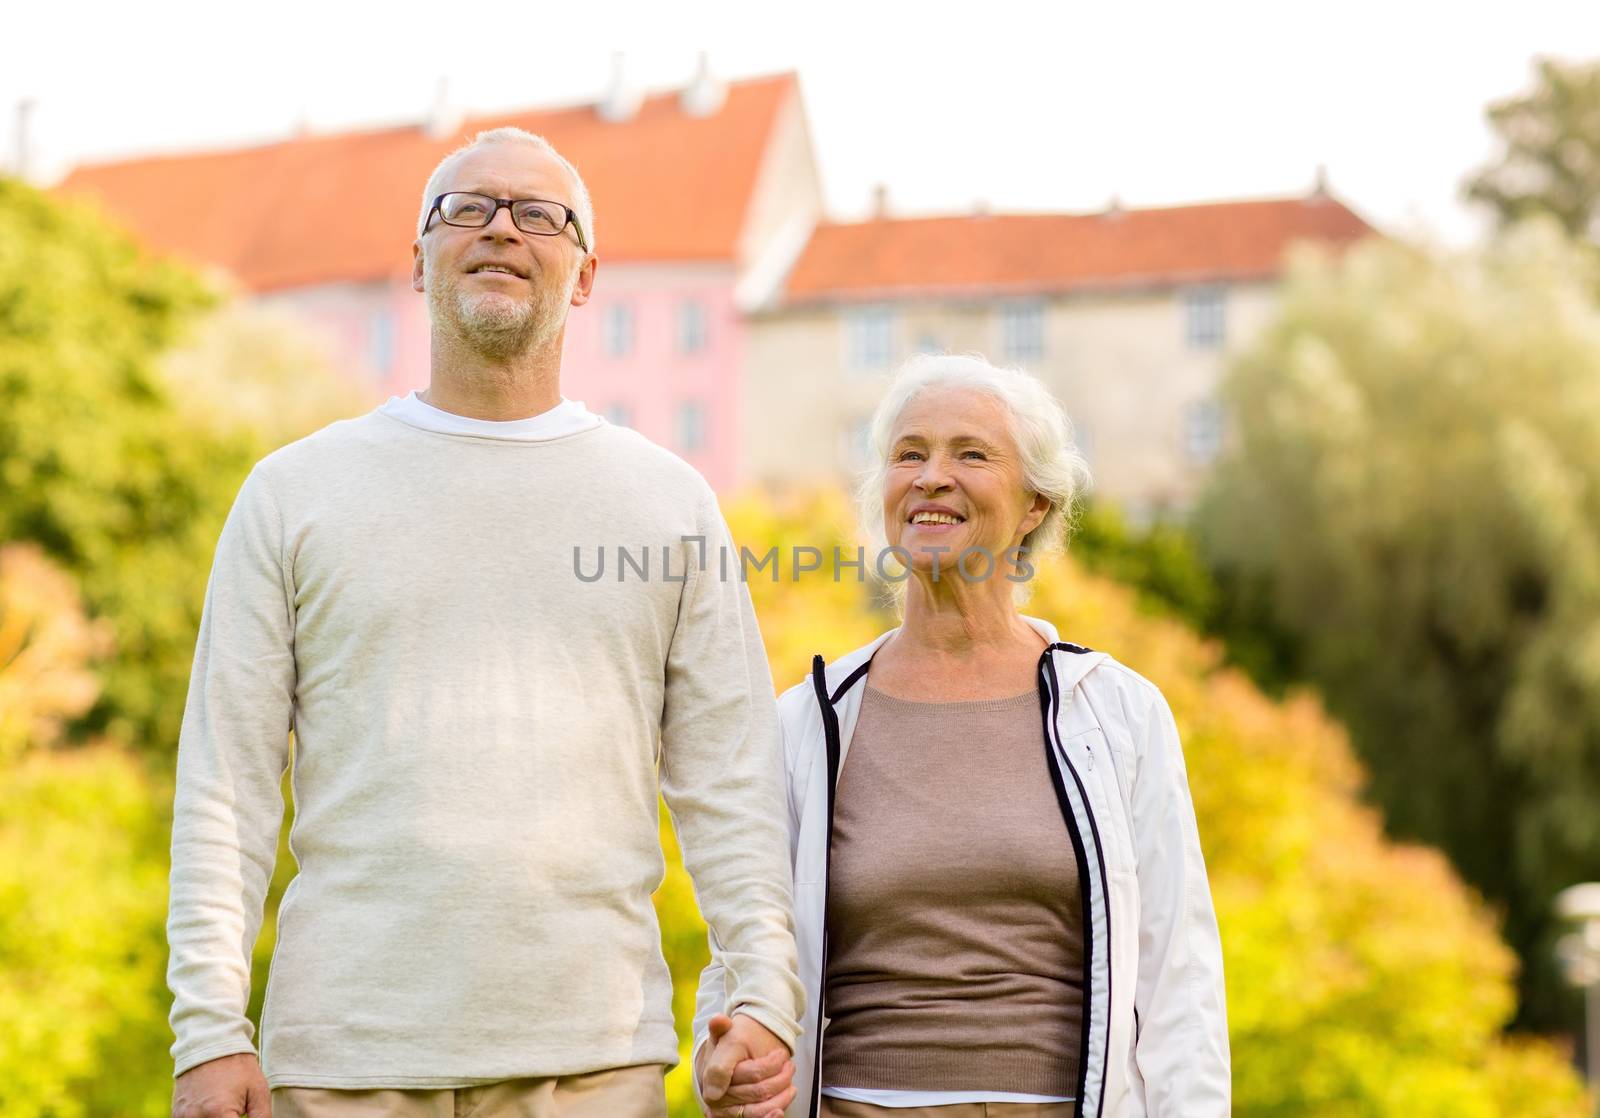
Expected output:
(745, 1071)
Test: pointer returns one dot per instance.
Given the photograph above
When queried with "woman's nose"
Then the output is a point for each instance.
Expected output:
(932, 477)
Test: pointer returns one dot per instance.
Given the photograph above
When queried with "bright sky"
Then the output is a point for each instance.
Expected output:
(1022, 106)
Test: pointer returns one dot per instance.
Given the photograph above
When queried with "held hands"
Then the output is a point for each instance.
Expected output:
(745, 1071)
(227, 1087)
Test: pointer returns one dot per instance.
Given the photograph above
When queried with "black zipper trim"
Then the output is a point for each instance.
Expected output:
(1049, 700)
(830, 730)
(849, 682)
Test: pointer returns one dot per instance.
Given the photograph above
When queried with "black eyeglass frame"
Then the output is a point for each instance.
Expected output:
(507, 203)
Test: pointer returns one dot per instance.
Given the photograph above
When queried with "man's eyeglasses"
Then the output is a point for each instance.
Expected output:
(531, 215)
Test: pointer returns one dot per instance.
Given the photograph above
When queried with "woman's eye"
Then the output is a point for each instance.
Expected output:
(907, 455)
(978, 454)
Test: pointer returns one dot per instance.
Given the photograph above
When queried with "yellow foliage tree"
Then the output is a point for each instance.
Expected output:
(82, 893)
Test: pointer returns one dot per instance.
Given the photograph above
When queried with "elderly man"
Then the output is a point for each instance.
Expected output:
(478, 730)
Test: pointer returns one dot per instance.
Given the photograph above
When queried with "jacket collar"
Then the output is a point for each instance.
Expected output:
(1070, 666)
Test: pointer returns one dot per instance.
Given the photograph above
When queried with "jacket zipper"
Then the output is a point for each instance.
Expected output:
(1049, 688)
(830, 730)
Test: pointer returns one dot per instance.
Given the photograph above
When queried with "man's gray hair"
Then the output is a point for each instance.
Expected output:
(1051, 461)
(508, 135)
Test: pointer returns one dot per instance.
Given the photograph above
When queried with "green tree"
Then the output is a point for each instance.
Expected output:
(1363, 977)
(97, 466)
(133, 400)
(1550, 158)
(1416, 479)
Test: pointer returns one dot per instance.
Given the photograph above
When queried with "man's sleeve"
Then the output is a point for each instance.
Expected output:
(722, 778)
(228, 806)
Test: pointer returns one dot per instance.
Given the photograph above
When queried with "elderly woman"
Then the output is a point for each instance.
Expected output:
(1000, 900)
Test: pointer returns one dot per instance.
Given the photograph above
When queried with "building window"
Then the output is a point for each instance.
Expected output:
(691, 426)
(617, 328)
(691, 326)
(1022, 331)
(1083, 439)
(927, 343)
(380, 341)
(858, 445)
(619, 415)
(871, 337)
(1202, 432)
(1205, 317)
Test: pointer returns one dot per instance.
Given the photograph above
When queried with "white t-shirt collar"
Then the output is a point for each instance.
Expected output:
(566, 418)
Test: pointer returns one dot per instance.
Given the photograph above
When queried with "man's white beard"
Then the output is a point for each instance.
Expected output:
(498, 325)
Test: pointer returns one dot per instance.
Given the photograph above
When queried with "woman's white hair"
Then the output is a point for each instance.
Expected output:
(1051, 462)
(580, 203)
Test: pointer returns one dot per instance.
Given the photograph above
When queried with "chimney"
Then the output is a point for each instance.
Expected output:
(444, 119)
(704, 94)
(880, 201)
(1319, 184)
(1114, 209)
(980, 207)
(22, 157)
(620, 102)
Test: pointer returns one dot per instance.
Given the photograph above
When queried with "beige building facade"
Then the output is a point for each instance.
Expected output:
(1137, 362)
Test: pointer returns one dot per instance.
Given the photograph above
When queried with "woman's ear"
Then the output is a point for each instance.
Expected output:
(1036, 513)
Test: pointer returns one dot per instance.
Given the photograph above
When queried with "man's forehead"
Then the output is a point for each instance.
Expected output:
(511, 171)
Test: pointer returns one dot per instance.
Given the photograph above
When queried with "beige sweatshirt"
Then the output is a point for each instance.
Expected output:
(478, 734)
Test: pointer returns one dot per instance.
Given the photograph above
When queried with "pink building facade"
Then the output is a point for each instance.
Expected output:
(703, 199)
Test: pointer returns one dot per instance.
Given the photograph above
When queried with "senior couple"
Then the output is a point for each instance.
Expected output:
(953, 873)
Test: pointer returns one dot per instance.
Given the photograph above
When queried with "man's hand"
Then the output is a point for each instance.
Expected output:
(745, 1071)
(227, 1087)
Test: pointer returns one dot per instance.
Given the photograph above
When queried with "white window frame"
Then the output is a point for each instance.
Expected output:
(869, 337)
(1203, 429)
(617, 330)
(689, 426)
(1205, 316)
(380, 340)
(693, 326)
(1022, 331)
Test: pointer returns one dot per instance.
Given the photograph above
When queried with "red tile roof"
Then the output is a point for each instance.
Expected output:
(900, 258)
(665, 185)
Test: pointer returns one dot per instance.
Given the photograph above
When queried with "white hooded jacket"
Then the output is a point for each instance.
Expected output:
(1155, 1038)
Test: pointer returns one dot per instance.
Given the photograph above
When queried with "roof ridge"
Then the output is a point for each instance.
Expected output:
(270, 238)
(374, 130)
(994, 255)
(1091, 215)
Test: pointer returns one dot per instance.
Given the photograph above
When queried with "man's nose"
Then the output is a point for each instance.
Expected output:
(501, 227)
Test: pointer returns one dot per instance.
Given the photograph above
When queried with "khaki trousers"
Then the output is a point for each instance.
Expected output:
(632, 1092)
(841, 1108)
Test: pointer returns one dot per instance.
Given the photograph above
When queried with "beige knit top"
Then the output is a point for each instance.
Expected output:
(955, 958)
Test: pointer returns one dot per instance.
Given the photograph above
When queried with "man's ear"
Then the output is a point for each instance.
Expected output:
(585, 285)
(416, 265)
